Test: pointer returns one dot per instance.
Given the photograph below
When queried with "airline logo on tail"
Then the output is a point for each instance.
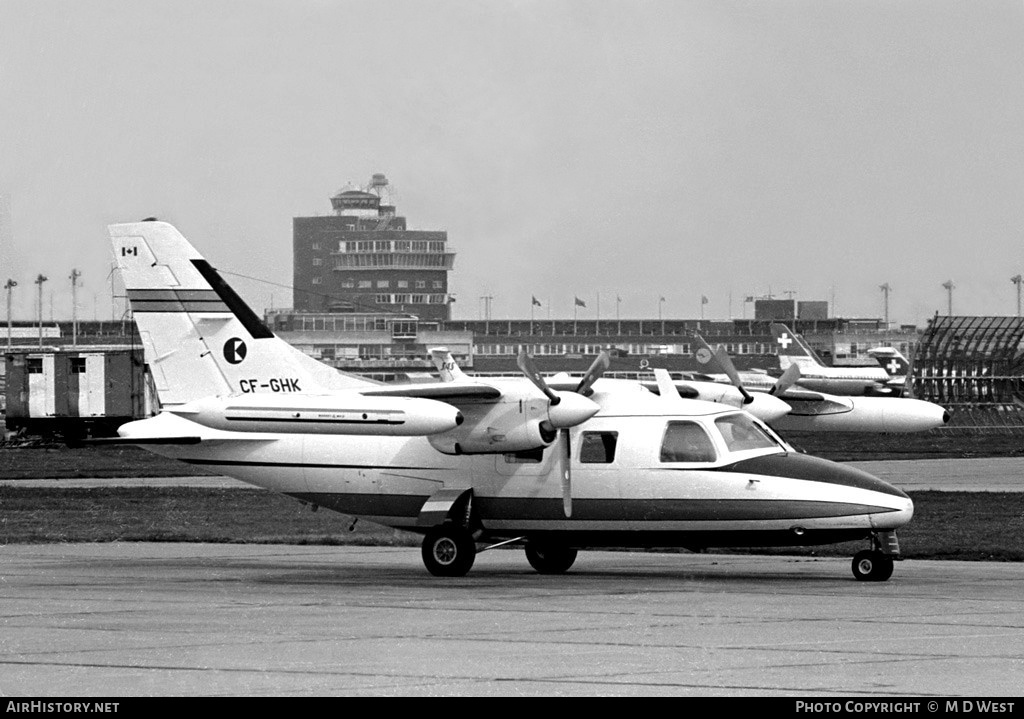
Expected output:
(792, 349)
(891, 360)
(789, 343)
(200, 338)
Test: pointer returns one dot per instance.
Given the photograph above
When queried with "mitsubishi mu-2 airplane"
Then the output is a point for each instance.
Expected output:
(468, 463)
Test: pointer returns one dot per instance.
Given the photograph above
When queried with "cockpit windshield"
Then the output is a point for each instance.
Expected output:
(740, 433)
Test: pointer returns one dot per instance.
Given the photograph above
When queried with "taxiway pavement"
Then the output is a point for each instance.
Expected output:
(169, 619)
(133, 620)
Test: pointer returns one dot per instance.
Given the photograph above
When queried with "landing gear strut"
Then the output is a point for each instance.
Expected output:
(449, 551)
(876, 564)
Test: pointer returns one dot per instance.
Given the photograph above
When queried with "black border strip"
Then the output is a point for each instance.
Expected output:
(249, 319)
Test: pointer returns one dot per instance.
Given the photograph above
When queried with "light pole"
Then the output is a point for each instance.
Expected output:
(948, 284)
(11, 284)
(39, 282)
(75, 274)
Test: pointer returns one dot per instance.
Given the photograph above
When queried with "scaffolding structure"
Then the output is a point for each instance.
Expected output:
(974, 367)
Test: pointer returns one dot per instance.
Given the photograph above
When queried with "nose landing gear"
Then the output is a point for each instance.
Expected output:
(876, 564)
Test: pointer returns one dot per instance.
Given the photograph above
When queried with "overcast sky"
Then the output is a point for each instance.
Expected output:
(588, 148)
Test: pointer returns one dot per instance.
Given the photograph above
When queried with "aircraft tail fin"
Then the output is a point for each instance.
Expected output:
(199, 337)
(792, 348)
(891, 360)
(446, 365)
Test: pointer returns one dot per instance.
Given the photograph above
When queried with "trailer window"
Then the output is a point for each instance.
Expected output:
(598, 447)
(34, 365)
(78, 365)
(686, 442)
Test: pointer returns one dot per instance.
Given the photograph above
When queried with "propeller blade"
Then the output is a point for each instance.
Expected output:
(730, 370)
(565, 409)
(597, 368)
(706, 356)
(529, 369)
(566, 476)
(787, 380)
(666, 387)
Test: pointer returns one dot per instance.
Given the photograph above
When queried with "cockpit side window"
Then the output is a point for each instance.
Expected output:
(686, 442)
(741, 432)
(598, 447)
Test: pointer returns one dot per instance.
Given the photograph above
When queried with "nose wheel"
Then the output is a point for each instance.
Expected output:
(870, 565)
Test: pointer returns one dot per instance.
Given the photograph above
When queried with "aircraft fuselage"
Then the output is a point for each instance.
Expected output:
(743, 498)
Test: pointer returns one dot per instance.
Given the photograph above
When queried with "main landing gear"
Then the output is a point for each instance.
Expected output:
(449, 550)
(548, 558)
(876, 564)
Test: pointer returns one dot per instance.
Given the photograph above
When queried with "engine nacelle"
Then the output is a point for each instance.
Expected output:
(515, 425)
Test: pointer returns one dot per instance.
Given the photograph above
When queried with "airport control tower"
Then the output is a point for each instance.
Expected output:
(363, 259)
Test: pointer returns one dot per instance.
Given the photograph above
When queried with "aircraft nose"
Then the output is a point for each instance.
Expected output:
(572, 409)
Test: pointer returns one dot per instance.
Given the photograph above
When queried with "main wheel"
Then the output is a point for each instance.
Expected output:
(870, 565)
(448, 551)
(550, 558)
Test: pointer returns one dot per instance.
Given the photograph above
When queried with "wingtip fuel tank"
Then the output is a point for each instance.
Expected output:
(350, 413)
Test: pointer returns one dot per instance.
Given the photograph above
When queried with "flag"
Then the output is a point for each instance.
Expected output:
(703, 300)
(579, 302)
(451, 298)
(749, 298)
(535, 301)
(661, 299)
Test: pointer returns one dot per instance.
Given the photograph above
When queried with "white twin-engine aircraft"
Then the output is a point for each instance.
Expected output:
(473, 464)
(816, 411)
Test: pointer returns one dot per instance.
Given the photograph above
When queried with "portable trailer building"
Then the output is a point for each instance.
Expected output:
(76, 393)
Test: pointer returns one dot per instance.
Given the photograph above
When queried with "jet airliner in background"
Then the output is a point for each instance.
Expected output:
(816, 375)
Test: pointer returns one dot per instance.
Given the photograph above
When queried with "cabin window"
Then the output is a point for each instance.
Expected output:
(740, 432)
(686, 442)
(34, 365)
(78, 365)
(598, 447)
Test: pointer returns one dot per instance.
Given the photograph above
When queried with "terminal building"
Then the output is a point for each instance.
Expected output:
(372, 297)
(364, 259)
